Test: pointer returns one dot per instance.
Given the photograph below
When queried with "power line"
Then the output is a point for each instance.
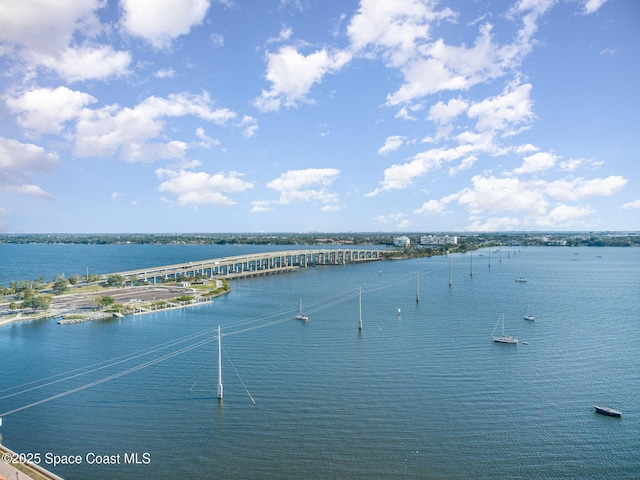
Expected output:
(279, 317)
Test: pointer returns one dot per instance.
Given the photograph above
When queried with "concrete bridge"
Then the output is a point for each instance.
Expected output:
(254, 264)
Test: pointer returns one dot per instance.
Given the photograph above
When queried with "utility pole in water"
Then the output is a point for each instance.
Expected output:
(360, 308)
(219, 366)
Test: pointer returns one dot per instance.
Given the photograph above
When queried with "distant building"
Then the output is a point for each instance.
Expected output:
(402, 241)
(438, 240)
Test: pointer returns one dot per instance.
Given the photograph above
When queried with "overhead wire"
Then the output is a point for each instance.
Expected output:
(110, 377)
(279, 317)
(100, 366)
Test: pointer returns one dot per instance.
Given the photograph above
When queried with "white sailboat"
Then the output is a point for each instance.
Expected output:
(528, 317)
(502, 338)
(300, 315)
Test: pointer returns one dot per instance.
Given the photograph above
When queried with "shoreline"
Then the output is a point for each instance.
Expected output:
(144, 307)
(139, 307)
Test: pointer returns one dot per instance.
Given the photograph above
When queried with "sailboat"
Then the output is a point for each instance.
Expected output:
(300, 315)
(531, 318)
(503, 338)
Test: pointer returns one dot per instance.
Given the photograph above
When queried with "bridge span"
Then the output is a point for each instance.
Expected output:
(253, 264)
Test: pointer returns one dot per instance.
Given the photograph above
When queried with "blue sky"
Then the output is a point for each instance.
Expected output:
(319, 115)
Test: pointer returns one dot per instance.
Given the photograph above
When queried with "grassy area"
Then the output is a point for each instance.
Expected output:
(105, 304)
(87, 289)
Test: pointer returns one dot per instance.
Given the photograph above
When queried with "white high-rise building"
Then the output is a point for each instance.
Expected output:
(438, 240)
(402, 241)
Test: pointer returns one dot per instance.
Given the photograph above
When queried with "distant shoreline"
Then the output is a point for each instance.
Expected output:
(540, 238)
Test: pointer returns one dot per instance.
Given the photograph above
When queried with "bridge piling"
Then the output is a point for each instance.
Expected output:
(253, 264)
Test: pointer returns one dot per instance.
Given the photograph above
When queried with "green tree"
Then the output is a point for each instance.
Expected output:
(115, 280)
(75, 279)
(36, 302)
(106, 301)
(61, 285)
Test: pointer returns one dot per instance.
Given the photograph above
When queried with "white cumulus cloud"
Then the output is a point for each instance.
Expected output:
(431, 207)
(538, 162)
(444, 113)
(592, 6)
(578, 188)
(201, 188)
(46, 110)
(306, 185)
(391, 144)
(61, 36)
(394, 29)
(160, 23)
(565, 216)
(499, 194)
(85, 63)
(292, 74)
(43, 26)
(18, 161)
(513, 107)
(17, 157)
(129, 132)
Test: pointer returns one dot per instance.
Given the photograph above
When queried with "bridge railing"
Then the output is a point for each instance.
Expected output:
(253, 264)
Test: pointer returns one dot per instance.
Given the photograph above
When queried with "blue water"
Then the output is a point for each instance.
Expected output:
(423, 393)
(32, 261)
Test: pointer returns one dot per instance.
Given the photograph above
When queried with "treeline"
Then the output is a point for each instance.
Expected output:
(468, 240)
(203, 238)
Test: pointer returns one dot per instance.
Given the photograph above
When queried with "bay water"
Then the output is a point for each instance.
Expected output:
(421, 392)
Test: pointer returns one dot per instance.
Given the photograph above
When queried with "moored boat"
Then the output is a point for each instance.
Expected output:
(502, 338)
(300, 315)
(607, 411)
(528, 317)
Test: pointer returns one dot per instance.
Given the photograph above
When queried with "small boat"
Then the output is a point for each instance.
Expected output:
(607, 411)
(520, 280)
(530, 318)
(502, 338)
(300, 315)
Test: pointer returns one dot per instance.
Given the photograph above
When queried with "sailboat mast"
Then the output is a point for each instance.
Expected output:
(360, 308)
(219, 365)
